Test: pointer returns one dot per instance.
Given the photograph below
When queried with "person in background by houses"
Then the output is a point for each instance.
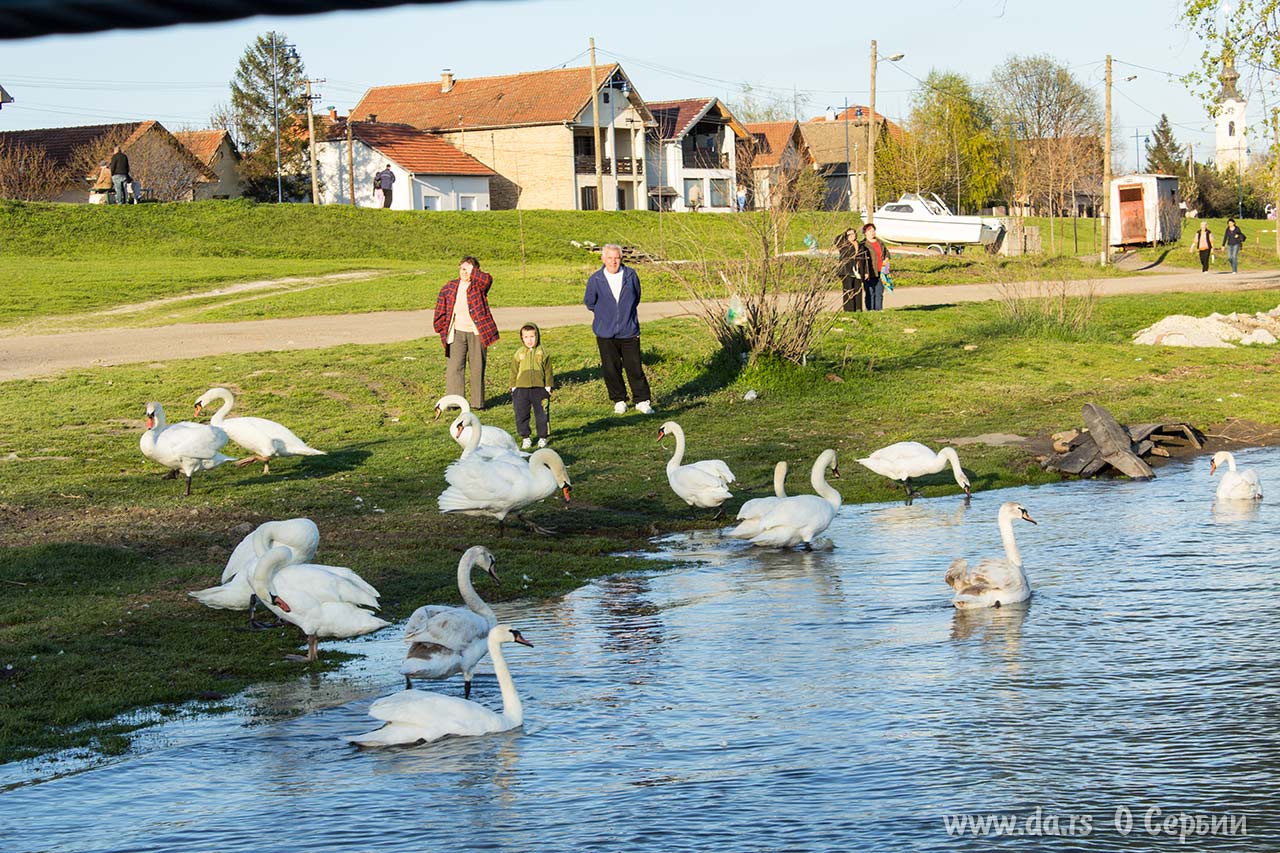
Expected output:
(531, 381)
(100, 192)
(385, 179)
(1203, 243)
(466, 328)
(850, 280)
(1233, 240)
(613, 294)
(119, 174)
(742, 198)
(871, 259)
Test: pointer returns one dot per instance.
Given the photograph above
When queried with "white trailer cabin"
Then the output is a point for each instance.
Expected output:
(1144, 210)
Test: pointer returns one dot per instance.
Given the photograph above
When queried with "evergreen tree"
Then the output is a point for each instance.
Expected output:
(1164, 154)
(253, 106)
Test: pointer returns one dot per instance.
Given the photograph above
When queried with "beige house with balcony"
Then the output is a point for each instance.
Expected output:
(534, 130)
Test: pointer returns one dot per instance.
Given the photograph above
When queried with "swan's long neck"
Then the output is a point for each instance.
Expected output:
(1231, 461)
(473, 440)
(161, 423)
(264, 568)
(948, 455)
(454, 401)
(678, 457)
(511, 707)
(225, 396)
(469, 594)
(1010, 543)
(818, 477)
(780, 480)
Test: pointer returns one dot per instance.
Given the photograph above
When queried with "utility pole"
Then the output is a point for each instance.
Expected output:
(311, 144)
(871, 142)
(351, 162)
(1137, 151)
(1104, 255)
(848, 175)
(595, 128)
(275, 105)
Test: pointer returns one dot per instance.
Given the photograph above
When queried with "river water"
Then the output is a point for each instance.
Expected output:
(757, 700)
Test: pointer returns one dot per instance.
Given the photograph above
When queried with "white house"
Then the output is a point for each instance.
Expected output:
(430, 173)
(692, 155)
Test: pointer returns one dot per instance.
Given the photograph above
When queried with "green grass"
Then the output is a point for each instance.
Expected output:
(1258, 252)
(97, 552)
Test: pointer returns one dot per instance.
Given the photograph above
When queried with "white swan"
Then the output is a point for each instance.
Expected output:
(702, 484)
(413, 716)
(185, 446)
(490, 436)
(908, 459)
(756, 507)
(323, 601)
(994, 581)
(298, 534)
(798, 519)
(499, 486)
(1235, 485)
(464, 427)
(448, 640)
(261, 437)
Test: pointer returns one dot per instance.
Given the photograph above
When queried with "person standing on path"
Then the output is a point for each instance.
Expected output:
(871, 259)
(466, 328)
(850, 281)
(119, 174)
(385, 179)
(612, 295)
(1233, 240)
(1203, 244)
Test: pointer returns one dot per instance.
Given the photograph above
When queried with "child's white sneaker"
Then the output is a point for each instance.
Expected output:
(542, 442)
(644, 408)
(526, 444)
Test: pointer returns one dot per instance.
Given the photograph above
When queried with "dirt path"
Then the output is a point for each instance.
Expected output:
(26, 356)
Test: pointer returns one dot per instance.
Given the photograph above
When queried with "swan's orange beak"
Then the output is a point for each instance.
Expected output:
(519, 638)
(835, 472)
(459, 430)
(199, 407)
(1213, 466)
(151, 421)
(662, 433)
(436, 417)
(565, 491)
(1026, 516)
(277, 601)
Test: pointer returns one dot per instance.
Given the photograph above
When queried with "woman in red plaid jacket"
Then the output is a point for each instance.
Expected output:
(466, 328)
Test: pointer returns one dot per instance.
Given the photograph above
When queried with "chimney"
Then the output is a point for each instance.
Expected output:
(333, 113)
(372, 118)
(446, 81)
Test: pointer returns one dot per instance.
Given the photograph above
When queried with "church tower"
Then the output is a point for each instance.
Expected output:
(1232, 147)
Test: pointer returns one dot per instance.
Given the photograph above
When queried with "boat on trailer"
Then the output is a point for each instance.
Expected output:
(924, 219)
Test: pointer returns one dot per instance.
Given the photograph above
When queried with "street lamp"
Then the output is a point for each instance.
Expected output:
(871, 133)
(275, 106)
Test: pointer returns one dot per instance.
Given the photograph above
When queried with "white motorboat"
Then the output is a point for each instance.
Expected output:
(924, 219)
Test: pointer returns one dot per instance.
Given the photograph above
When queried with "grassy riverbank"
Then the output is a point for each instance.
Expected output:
(97, 552)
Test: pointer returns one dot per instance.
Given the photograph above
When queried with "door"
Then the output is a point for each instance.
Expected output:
(466, 202)
(588, 199)
(1133, 217)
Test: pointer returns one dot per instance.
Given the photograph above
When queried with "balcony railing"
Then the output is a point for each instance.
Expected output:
(706, 160)
(585, 164)
(630, 166)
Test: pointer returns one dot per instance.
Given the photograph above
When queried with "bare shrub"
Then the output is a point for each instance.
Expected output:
(27, 174)
(1061, 307)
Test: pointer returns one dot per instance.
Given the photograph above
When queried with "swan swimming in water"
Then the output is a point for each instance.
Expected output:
(1235, 485)
(448, 640)
(263, 438)
(185, 446)
(995, 581)
(908, 459)
(703, 484)
(790, 521)
(413, 716)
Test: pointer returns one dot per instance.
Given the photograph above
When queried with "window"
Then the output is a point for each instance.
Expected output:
(721, 193)
(693, 192)
(898, 208)
(466, 202)
(582, 146)
(588, 199)
(622, 199)
(430, 202)
(1231, 128)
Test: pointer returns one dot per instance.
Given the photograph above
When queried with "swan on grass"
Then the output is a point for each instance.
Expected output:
(447, 640)
(908, 459)
(502, 485)
(323, 601)
(995, 581)
(703, 484)
(1235, 485)
(185, 446)
(791, 521)
(265, 439)
(413, 716)
(300, 535)
(490, 436)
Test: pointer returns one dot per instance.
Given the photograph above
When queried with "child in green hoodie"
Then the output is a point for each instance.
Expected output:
(531, 382)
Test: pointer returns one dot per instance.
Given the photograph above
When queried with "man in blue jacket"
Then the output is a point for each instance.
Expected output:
(613, 292)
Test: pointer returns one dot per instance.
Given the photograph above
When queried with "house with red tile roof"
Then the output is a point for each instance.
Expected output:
(838, 143)
(773, 154)
(535, 131)
(217, 150)
(430, 173)
(165, 169)
(693, 155)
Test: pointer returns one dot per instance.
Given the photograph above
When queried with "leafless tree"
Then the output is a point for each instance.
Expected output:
(157, 160)
(27, 174)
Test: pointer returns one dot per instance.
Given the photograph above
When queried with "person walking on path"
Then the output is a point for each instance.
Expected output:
(466, 328)
(531, 381)
(612, 295)
(119, 174)
(1233, 240)
(872, 258)
(1203, 244)
(385, 179)
(851, 282)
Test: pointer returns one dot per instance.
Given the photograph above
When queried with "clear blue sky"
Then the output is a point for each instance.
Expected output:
(670, 48)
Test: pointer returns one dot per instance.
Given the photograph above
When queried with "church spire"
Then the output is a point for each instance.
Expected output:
(1229, 78)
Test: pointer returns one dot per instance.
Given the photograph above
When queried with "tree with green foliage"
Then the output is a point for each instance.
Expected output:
(271, 75)
(1164, 154)
(955, 130)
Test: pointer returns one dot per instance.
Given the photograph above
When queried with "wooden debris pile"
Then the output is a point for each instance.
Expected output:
(630, 254)
(1104, 443)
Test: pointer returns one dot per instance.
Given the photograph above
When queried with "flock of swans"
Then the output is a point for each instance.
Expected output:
(272, 566)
